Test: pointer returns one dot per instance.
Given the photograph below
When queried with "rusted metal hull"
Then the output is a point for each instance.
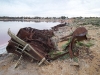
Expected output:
(20, 47)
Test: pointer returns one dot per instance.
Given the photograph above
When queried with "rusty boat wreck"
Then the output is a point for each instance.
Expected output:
(37, 44)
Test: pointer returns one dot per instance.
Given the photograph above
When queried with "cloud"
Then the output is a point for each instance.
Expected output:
(51, 8)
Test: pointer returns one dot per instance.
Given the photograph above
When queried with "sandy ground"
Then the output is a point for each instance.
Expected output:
(88, 64)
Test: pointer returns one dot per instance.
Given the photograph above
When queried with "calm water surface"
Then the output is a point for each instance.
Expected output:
(15, 26)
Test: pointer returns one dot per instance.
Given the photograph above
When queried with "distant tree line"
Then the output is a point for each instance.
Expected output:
(7, 17)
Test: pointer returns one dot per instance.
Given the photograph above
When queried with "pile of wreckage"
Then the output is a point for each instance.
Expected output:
(37, 44)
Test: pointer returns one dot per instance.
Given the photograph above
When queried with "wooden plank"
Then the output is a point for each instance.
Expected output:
(18, 61)
(12, 35)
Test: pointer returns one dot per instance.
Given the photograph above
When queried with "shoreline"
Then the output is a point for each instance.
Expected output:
(3, 48)
(88, 65)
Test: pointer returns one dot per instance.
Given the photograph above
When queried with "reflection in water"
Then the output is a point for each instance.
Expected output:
(15, 26)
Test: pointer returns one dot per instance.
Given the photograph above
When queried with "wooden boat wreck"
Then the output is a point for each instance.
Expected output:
(37, 44)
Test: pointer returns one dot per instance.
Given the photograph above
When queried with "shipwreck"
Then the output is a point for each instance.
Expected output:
(37, 44)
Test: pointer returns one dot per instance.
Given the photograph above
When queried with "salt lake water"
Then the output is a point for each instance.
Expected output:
(15, 26)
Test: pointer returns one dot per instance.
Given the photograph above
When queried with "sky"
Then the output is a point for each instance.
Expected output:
(50, 8)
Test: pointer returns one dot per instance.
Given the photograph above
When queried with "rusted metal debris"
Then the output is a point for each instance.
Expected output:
(55, 28)
(41, 42)
(78, 35)
(38, 39)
